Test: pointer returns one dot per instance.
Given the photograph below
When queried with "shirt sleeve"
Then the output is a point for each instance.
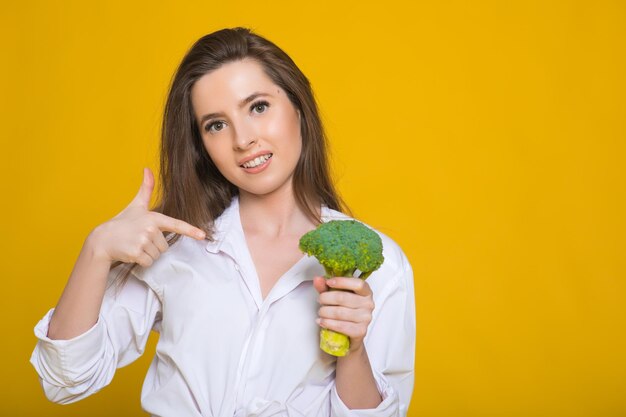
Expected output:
(390, 344)
(72, 369)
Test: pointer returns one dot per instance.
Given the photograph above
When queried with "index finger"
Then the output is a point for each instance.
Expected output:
(171, 224)
(357, 285)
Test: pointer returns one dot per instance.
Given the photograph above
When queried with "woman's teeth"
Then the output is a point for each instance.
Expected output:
(257, 161)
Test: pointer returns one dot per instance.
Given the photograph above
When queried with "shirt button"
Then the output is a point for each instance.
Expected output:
(236, 267)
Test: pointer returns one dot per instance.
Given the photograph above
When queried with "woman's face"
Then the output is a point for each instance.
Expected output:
(249, 127)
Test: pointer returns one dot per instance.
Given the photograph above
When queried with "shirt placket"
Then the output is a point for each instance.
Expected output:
(255, 333)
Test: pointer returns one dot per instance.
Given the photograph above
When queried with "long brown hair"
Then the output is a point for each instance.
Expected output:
(192, 188)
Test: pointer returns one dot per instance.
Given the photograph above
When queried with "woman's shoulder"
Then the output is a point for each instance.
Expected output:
(179, 256)
(186, 253)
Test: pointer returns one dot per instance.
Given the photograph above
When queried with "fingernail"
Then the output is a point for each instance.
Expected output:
(318, 321)
(331, 282)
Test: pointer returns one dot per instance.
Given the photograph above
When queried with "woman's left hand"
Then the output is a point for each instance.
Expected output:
(345, 312)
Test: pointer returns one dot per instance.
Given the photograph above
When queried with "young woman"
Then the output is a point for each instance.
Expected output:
(215, 269)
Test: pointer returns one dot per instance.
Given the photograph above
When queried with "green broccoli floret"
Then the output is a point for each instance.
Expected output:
(343, 247)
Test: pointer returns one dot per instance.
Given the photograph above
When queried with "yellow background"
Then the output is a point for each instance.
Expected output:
(487, 138)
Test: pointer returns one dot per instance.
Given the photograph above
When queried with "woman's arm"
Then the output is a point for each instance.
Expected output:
(70, 370)
(355, 381)
(78, 308)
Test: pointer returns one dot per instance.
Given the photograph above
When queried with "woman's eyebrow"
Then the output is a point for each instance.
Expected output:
(242, 103)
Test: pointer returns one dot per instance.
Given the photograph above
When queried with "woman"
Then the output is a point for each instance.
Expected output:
(237, 305)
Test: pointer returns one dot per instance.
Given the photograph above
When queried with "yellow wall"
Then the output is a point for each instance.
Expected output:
(488, 138)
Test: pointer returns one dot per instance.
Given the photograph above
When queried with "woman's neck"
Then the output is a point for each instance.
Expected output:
(273, 215)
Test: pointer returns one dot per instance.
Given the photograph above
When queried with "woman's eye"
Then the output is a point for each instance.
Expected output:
(260, 107)
(215, 126)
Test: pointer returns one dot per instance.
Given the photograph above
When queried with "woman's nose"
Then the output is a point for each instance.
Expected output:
(245, 137)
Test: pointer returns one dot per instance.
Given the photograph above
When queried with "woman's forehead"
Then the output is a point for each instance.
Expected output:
(230, 85)
(236, 79)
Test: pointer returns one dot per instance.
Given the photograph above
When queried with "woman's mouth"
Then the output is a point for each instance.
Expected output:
(258, 161)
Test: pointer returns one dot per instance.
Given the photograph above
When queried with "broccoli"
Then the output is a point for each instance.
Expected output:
(343, 247)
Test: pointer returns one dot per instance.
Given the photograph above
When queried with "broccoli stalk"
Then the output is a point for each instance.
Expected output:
(344, 248)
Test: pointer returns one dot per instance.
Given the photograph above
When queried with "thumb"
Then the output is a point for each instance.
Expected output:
(320, 284)
(142, 199)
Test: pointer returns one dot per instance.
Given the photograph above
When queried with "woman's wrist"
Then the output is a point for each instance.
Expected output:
(355, 381)
(94, 248)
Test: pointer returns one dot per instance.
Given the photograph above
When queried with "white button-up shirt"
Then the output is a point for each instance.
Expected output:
(223, 350)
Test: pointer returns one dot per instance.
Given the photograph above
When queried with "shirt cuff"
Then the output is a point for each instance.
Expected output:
(67, 362)
(387, 408)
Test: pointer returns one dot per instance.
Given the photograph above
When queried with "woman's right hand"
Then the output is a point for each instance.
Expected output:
(135, 234)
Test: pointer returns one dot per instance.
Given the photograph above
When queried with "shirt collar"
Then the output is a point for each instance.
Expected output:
(223, 225)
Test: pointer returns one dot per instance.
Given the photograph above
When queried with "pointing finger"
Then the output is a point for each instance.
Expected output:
(171, 224)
